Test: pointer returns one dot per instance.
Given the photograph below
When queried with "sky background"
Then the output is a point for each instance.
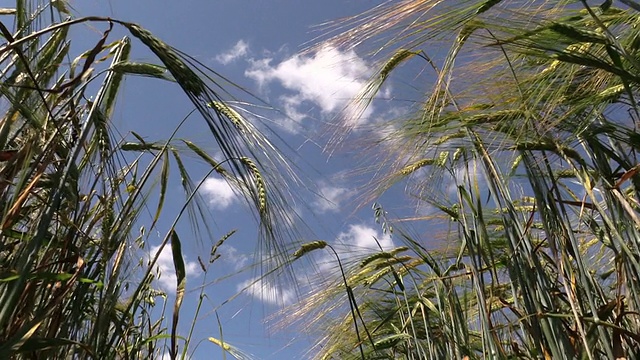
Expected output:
(257, 45)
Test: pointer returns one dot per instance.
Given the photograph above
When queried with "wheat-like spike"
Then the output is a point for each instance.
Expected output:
(580, 35)
(382, 255)
(371, 258)
(400, 56)
(442, 158)
(521, 208)
(547, 146)
(377, 276)
(397, 250)
(260, 185)
(215, 247)
(120, 54)
(214, 164)
(611, 93)
(130, 67)
(407, 266)
(393, 261)
(514, 165)
(457, 154)
(535, 146)
(443, 139)
(107, 220)
(188, 79)
(391, 341)
(417, 165)
(220, 343)
(131, 146)
(486, 6)
(494, 117)
(230, 113)
(309, 247)
(565, 173)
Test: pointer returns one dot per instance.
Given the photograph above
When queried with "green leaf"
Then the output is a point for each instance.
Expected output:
(181, 282)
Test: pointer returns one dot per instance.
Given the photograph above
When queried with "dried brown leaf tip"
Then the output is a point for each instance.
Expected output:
(6, 155)
(626, 176)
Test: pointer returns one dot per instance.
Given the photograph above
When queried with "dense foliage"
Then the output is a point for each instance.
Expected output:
(523, 149)
(74, 280)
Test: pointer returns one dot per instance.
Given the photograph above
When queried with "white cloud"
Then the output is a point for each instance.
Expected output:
(330, 198)
(290, 105)
(166, 271)
(218, 193)
(364, 239)
(267, 292)
(231, 255)
(240, 49)
(356, 241)
(329, 79)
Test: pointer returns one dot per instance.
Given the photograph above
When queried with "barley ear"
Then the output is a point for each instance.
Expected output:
(230, 113)
(400, 56)
(260, 185)
(416, 165)
(309, 247)
(187, 79)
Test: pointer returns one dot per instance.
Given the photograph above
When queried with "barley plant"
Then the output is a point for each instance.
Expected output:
(521, 150)
(79, 199)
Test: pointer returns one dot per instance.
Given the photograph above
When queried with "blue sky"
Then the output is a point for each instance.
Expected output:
(257, 44)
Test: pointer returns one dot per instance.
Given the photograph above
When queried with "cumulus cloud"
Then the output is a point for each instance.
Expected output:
(330, 198)
(365, 239)
(231, 255)
(267, 292)
(218, 193)
(328, 79)
(357, 240)
(240, 49)
(165, 269)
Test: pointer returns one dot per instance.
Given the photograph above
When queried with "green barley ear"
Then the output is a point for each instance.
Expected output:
(486, 6)
(442, 158)
(309, 247)
(400, 56)
(393, 260)
(444, 138)
(391, 341)
(260, 184)
(208, 159)
(369, 259)
(611, 93)
(214, 249)
(136, 68)
(494, 117)
(230, 113)
(228, 348)
(132, 146)
(577, 34)
(411, 168)
(187, 79)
